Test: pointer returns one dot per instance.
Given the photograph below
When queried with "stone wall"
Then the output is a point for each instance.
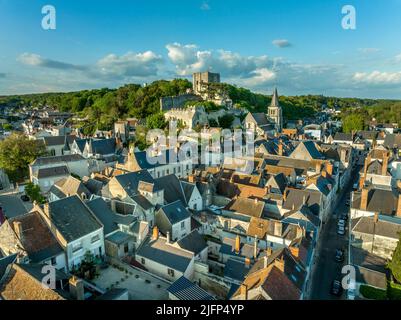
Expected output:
(168, 103)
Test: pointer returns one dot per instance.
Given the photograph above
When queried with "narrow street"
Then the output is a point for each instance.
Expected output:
(327, 269)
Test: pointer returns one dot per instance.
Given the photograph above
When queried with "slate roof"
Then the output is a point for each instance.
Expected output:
(384, 227)
(5, 262)
(53, 172)
(163, 253)
(142, 201)
(175, 212)
(392, 141)
(193, 242)
(340, 136)
(235, 269)
(172, 187)
(295, 199)
(58, 140)
(379, 200)
(130, 181)
(103, 146)
(57, 159)
(169, 156)
(108, 217)
(184, 289)
(260, 118)
(119, 237)
(72, 218)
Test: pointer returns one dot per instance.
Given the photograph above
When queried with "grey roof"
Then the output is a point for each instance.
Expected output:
(296, 197)
(379, 200)
(340, 136)
(58, 140)
(235, 269)
(130, 181)
(81, 144)
(175, 212)
(5, 262)
(184, 289)
(193, 242)
(142, 201)
(57, 159)
(384, 227)
(53, 172)
(112, 294)
(260, 118)
(172, 187)
(163, 253)
(119, 237)
(168, 156)
(392, 141)
(108, 218)
(73, 218)
(275, 102)
(93, 185)
(103, 146)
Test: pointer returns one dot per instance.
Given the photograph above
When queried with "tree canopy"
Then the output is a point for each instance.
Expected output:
(16, 153)
(395, 264)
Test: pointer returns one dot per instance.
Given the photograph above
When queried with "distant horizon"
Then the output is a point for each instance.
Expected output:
(300, 47)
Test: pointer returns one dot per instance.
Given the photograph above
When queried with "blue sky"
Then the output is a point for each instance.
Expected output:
(299, 46)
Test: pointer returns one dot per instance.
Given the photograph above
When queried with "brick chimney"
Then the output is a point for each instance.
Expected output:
(76, 288)
(237, 244)
(318, 167)
(385, 163)
(247, 263)
(364, 198)
(191, 178)
(244, 291)
(18, 230)
(155, 234)
(324, 174)
(280, 148)
(398, 212)
(329, 168)
(294, 251)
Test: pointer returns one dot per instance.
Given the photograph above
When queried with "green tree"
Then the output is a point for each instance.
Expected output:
(353, 122)
(34, 193)
(7, 127)
(156, 121)
(16, 153)
(395, 264)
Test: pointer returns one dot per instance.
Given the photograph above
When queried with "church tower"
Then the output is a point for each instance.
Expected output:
(274, 112)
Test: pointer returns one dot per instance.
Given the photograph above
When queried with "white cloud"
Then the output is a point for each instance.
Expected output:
(38, 61)
(205, 6)
(130, 65)
(281, 43)
(378, 78)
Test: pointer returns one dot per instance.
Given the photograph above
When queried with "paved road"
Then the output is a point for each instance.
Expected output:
(13, 206)
(327, 269)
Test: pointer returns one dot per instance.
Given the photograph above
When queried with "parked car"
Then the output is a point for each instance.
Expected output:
(341, 223)
(344, 217)
(25, 198)
(339, 257)
(341, 230)
(336, 288)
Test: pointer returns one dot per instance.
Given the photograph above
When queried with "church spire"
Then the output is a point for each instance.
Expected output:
(274, 102)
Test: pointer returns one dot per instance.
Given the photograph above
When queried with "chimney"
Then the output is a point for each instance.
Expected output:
(324, 174)
(280, 148)
(329, 168)
(376, 217)
(155, 234)
(385, 163)
(237, 244)
(255, 247)
(398, 212)
(343, 155)
(318, 167)
(168, 237)
(269, 251)
(247, 263)
(76, 288)
(361, 182)
(265, 262)
(18, 229)
(191, 178)
(285, 194)
(294, 251)
(364, 198)
(244, 291)
(278, 228)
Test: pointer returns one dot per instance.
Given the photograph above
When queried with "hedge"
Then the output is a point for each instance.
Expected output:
(394, 291)
(372, 293)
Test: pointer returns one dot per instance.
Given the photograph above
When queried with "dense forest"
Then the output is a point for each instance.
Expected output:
(103, 106)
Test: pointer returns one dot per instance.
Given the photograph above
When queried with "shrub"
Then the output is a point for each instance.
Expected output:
(394, 291)
(373, 293)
